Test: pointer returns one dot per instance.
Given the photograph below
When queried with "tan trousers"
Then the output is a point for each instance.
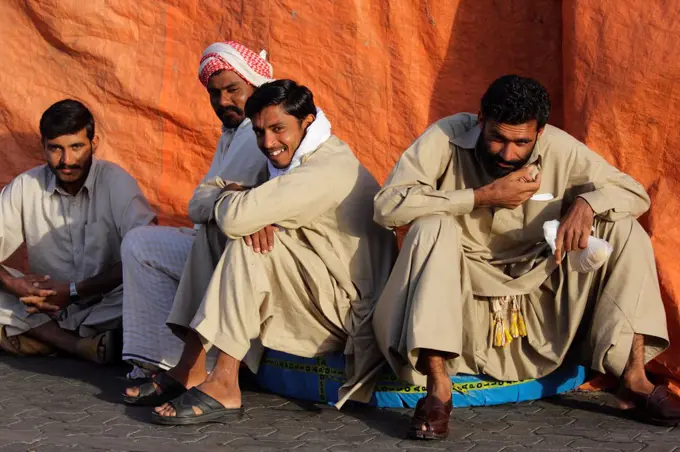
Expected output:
(85, 319)
(428, 304)
(284, 300)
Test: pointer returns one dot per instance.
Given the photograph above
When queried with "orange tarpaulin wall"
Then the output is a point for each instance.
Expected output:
(383, 70)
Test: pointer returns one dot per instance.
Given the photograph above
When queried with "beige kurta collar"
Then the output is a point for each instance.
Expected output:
(52, 187)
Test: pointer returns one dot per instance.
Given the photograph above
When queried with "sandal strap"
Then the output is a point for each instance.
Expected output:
(164, 384)
(194, 397)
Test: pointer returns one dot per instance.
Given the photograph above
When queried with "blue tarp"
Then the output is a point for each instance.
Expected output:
(318, 380)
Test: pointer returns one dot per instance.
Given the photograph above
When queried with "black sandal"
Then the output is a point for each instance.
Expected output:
(212, 410)
(148, 392)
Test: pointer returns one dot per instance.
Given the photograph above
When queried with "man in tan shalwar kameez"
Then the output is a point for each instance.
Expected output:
(476, 288)
(303, 261)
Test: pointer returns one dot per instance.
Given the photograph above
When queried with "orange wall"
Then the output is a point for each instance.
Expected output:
(383, 70)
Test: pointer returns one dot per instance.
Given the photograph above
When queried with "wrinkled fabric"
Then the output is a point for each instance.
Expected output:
(134, 64)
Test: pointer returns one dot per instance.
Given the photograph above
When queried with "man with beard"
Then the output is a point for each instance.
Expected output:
(155, 258)
(476, 288)
(72, 213)
(322, 262)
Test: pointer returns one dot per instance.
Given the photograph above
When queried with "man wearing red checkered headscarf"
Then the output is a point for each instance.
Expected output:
(154, 257)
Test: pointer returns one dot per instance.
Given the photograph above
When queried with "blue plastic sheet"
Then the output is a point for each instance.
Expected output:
(318, 380)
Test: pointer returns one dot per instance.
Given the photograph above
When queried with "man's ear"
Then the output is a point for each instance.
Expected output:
(95, 143)
(480, 120)
(307, 121)
(540, 132)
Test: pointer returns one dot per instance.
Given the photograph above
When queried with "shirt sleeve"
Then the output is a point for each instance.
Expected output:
(291, 201)
(614, 194)
(131, 209)
(411, 190)
(11, 218)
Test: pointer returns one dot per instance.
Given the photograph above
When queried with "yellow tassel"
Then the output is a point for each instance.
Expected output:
(497, 334)
(522, 325)
(514, 328)
(508, 336)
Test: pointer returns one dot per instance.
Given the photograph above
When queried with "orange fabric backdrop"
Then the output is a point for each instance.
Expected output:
(382, 70)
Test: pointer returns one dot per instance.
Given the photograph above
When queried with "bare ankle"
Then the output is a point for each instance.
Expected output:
(637, 382)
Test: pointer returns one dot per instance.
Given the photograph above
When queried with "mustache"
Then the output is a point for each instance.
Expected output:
(513, 163)
(223, 110)
(63, 166)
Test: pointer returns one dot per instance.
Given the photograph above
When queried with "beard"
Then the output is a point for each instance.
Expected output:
(492, 162)
(230, 116)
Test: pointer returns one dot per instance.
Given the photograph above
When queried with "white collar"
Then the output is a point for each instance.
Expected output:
(318, 132)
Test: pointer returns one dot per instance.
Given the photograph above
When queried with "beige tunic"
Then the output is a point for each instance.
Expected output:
(455, 256)
(238, 159)
(70, 238)
(315, 292)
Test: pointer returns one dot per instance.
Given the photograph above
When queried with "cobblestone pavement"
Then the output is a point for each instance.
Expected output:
(49, 404)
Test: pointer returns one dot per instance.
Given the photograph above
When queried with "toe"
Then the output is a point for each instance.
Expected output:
(132, 392)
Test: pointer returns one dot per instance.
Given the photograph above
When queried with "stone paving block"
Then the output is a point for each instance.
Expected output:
(555, 441)
(250, 444)
(412, 444)
(183, 438)
(9, 436)
(593, 432)
(314, 437)
(524, 440)
(584, 443)
(22, 447)
(70, 406)
(124, 444)
(534, 448)
(60, 427)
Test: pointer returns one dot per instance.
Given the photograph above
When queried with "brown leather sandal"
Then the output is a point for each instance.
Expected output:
(436, 421)
(660, 407)
(22, 345)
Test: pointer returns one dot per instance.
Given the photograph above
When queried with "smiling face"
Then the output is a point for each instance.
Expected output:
(279, 134)
(228, 95)
(505, 148)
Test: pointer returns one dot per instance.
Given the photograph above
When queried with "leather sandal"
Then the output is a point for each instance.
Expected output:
(436, 421)
(660, 407)
(22, 345)
(161, 389)
(211, 410)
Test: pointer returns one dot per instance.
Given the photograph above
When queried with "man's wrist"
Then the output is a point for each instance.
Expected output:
(482, 196)
(74, 294)
(585, 202)
(6, 279)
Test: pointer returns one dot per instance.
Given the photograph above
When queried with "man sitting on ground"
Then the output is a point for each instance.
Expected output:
(476, 289)
(72, 213)
(302, 268)
(155, 257)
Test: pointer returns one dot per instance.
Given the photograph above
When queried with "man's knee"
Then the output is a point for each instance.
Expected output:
(431, 228)
(629, 231)
(136, 243)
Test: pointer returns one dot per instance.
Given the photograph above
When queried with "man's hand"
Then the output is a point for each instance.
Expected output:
(234, 187)
(28, 286)
(59, 298)
(509, 191)
(263, 240)
(574, 229)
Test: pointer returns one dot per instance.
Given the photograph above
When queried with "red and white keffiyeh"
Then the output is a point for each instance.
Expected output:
(234, 56)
